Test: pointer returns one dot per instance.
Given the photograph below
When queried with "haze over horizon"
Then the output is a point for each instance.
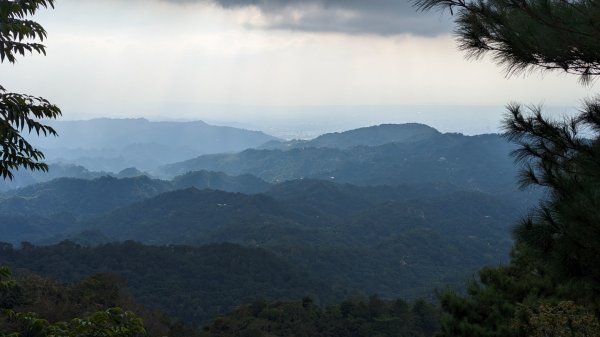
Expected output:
(307, 122)
(292, 69)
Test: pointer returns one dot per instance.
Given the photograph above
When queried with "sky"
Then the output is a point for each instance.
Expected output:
(288, 66)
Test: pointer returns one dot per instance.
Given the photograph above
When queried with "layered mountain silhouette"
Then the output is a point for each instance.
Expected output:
(368, 136)
(115, 144)
(397, 210)
(470, 162)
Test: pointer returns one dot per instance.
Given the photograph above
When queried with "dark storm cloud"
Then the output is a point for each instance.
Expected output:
(381, 17)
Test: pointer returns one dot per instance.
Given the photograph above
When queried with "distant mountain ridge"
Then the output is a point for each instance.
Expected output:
(245, 183)
(367, 136)
(469, 162)
(384, 154)
(24, 178)
(106, 144)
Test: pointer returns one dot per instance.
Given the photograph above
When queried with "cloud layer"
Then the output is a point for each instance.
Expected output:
(379, 17)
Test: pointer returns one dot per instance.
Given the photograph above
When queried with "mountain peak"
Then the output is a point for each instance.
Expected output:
(367, 136)
(376, 135)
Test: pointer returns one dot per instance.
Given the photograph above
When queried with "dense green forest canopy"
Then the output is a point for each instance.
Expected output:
(100, 306)
(36, 306)
(465, 161)
(352, 318)
(193, 284)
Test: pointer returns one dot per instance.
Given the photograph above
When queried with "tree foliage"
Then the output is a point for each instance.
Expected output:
(192, 284)
(565, 319)
(351, 318)
(552, 285)
(109, 322)
(553, 274)
(18, 112)
(559, 35)
(564, 229)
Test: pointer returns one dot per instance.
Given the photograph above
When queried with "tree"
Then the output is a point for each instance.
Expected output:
(521, 35)
(565, 229)
(19, 113)
(553, 270)
(555, 257)
(111, 322)
(564, 319)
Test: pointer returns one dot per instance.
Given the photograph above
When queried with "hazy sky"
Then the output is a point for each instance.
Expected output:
(194, 59)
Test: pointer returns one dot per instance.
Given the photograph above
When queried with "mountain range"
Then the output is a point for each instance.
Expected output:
(378, 155)
(340, 239)
(368, 136)
(115, 144)
(392, 240)
(471, 162)
(396, 210)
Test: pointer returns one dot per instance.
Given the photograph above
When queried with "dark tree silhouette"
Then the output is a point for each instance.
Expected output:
(559, 35)
(553, 272)
(565, 229)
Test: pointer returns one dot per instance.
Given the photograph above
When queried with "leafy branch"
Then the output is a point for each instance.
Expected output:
(19, 112)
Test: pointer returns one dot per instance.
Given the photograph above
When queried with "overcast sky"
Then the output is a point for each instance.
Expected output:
(182, 58)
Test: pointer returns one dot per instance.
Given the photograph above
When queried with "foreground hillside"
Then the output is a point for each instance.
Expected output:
(351, 318)
(32, 304)
(190, 283)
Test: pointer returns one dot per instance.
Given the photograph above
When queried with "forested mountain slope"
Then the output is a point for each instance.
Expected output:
(80, 197)
(245, 183)
(392, 240)
(24, 178)
(397, 243)
(84, 198)
(43, 211)
(351, 318)
(469, 162)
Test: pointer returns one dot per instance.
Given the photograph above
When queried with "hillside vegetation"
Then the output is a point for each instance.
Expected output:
(398, 211)
(469, 162)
